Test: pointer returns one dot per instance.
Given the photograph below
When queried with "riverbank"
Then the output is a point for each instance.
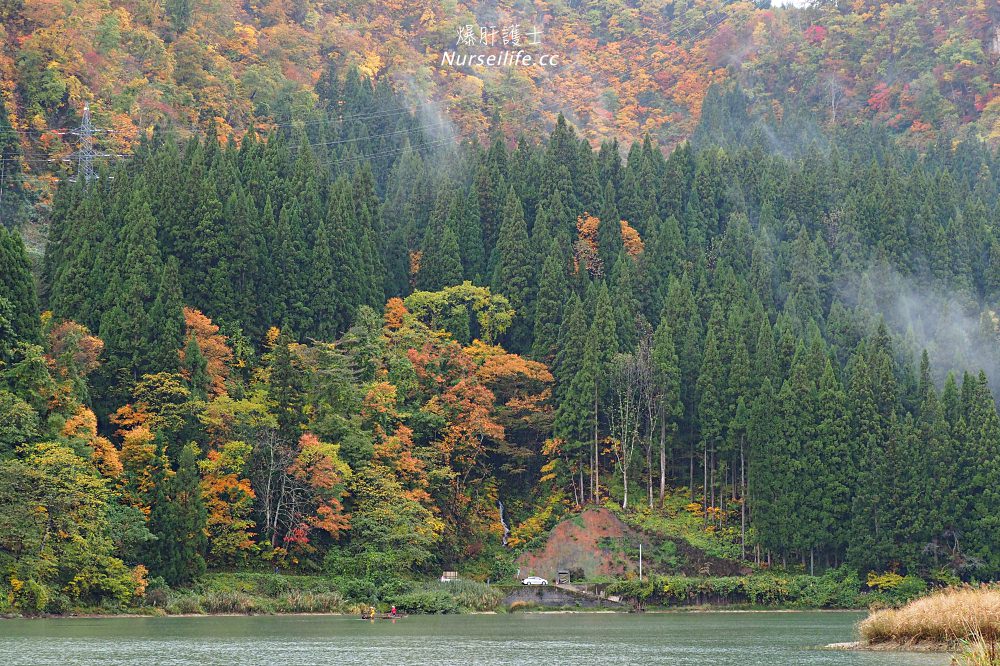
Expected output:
(267, 593)
(889, 647)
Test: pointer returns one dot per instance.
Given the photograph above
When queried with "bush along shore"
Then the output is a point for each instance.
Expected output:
(260, 593)
(836, 589)
(964, 620)
(265, 593)
(255, 593)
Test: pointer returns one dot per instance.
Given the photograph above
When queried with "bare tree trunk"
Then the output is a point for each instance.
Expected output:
(743, 505)
(572, 480)
(704, 482)
(691, 470)
(625, 486)
(663, 459)
(649, 469)
(597, 455)
(732, 478)
(711, 476)
(722, 494)
(590, 472)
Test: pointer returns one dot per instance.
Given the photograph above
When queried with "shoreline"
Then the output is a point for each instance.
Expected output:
(936, 647)
(535, 611)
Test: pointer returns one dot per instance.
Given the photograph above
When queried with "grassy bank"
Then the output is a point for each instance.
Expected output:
(252, 593)
(264, 593)
(964, 619)
(836, 589)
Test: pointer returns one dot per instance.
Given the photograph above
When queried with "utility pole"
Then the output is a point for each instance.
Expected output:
(3, 177)
(86, 154)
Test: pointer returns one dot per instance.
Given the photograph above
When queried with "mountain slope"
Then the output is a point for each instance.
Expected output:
(624, 68)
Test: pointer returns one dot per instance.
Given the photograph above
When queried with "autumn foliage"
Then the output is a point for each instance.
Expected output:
(213, 347)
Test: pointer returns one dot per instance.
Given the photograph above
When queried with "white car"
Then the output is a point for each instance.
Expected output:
(534, 580)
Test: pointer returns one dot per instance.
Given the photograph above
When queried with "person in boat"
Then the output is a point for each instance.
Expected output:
(393, 612)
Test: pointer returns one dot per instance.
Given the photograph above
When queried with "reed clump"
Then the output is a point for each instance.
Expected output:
(949, 616)
(233, 602)
(475, 596)
(977, 651)
(299, 601)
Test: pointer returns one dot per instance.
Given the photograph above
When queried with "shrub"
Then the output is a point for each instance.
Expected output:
(473, 596)
(157, 593)
(886, 581)
(58, 604)
(232, 601)
(503, 567)
(28, 596)
(185, 604)
(298, 601)
(908, 589)
(428, 602)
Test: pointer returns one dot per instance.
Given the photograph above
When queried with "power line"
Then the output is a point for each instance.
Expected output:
(353, 158)
(410, 130)
(328, 117)
(86, 154)
(331, 116)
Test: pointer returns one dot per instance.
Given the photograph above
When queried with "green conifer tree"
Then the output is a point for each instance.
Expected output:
(166, 320)
(18, 286)
(195, 368)
(609, 232)
(513, 273)
(669, 408)
(440, 260)
(553, 292)
(178, 519)
(12, 194)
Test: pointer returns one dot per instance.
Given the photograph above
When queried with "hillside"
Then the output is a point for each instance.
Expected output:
(357, 343)
(921, 68)
(596, 544)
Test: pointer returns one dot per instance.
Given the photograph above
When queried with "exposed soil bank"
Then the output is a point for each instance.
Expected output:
(922, 646)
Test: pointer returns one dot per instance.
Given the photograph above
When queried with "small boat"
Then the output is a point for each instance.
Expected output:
(382, 616)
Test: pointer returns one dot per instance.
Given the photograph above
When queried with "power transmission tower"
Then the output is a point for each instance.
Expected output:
(85, 154)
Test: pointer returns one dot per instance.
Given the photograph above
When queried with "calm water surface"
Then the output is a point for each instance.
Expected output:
(723, 639)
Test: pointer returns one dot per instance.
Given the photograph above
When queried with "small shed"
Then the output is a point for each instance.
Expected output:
(449, 576)
(562, 577)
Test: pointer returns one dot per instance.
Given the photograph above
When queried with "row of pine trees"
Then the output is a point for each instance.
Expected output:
(756, 327)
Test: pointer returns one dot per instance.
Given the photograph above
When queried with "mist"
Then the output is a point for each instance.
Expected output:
(949, 324)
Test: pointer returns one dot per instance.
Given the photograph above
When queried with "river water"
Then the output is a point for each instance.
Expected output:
(717, 639)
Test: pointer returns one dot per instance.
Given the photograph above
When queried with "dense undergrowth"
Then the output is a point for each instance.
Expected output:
(672, 537)
(679, 518)
(256, 593)
(837, 588)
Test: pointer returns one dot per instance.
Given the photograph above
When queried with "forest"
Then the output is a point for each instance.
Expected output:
(920, 69)
(350, 347)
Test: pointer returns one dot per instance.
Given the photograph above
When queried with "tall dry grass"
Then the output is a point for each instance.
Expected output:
(947, 616)
(977, 651)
